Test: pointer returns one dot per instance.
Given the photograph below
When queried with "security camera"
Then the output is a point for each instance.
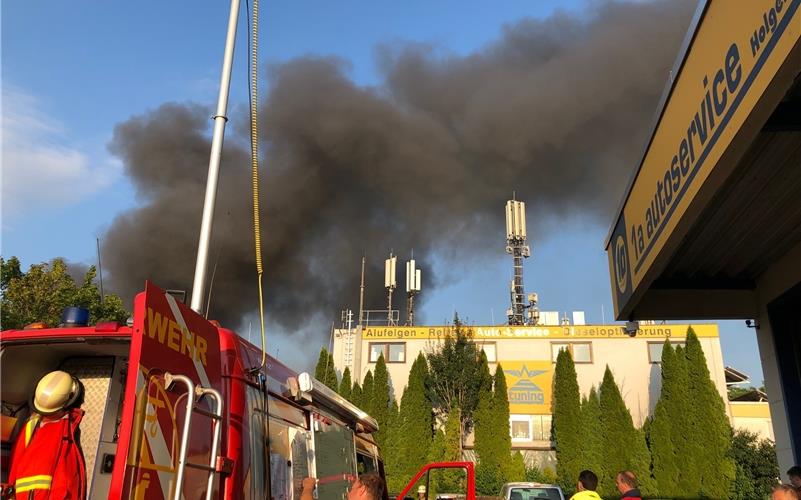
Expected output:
(631, 328)
(752, 323)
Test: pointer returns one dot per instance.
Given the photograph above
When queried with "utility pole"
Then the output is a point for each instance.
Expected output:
(220, 118)
(361, 294)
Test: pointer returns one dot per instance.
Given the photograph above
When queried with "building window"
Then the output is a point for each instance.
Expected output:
(542, 427)
(581, 352)
(490, 350)
(655, 350)
(520, 427)
(530, 427)
(394, 352)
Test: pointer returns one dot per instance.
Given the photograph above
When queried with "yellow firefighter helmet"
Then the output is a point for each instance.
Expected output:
(56, 391)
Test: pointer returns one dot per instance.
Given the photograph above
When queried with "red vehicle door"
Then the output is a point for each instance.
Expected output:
(174, 371)
(420, 487)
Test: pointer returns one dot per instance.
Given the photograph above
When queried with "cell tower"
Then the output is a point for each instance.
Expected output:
(390, 284)
(520, 312)
(413, 280)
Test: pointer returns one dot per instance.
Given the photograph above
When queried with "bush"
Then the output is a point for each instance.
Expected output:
(537, 475)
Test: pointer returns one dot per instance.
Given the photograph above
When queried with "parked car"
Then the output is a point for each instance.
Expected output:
(531, 491)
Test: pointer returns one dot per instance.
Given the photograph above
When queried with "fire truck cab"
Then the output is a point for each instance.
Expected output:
(178, 407)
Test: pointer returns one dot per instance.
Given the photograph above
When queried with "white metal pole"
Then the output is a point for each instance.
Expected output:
(361, 294)
(220, 118)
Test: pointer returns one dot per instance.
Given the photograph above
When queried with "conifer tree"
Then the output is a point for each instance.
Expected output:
(447, 447)
(345, 386)
(667, 429)
(500, 409)
(320, 367)
(483, 376)
(367, 399)
(591, 438)
(324, 371)
(392, 450)
(517, 468)
(416, 419)
(624, 445)
(381, 398)
(331, 374)
(488, 469)
(711, 430)
(453, 436)
(437, 453)
(566, 422)
(356, 396)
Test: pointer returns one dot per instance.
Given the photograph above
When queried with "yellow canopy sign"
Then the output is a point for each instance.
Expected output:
(736, 51)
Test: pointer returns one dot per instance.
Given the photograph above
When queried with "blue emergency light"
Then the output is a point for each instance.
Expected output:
(75, 316)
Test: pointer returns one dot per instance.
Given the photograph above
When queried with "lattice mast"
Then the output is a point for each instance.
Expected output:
(517, 246)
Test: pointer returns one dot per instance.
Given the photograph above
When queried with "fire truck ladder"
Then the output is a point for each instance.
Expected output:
(194, 395)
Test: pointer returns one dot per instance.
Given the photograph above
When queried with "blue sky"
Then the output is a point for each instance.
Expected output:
(72, 70)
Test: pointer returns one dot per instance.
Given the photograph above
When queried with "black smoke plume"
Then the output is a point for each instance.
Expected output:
(556, 109)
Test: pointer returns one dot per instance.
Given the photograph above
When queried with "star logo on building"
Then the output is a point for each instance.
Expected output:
(525, 375)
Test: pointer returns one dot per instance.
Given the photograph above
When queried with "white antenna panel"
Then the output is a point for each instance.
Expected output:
(515, 220)
(410, 268)
(389, 272)
(509, 229)
(578, 318)
(417, 280)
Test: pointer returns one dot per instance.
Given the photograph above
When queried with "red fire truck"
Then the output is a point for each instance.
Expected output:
(177, 407)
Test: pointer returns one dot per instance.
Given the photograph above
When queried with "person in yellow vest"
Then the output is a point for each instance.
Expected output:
(586, 486)
(47, 461)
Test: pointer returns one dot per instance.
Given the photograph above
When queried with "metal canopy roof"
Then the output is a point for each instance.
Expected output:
(735, 376)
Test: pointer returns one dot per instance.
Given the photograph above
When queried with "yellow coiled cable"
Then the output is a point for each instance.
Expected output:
(254, 164)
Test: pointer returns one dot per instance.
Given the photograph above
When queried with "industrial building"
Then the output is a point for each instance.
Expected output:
(527, 348)
(710, 224)
(527, 355)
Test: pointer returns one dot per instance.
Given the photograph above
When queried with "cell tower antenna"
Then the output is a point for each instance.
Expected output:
(390, 284)
(413, 279)
(520, 312)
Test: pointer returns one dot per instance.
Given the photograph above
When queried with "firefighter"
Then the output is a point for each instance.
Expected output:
(47, 461)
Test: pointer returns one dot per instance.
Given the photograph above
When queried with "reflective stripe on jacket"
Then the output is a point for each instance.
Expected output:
(46, 461)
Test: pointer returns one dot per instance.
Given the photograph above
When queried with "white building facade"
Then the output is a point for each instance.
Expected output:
(527, 355)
